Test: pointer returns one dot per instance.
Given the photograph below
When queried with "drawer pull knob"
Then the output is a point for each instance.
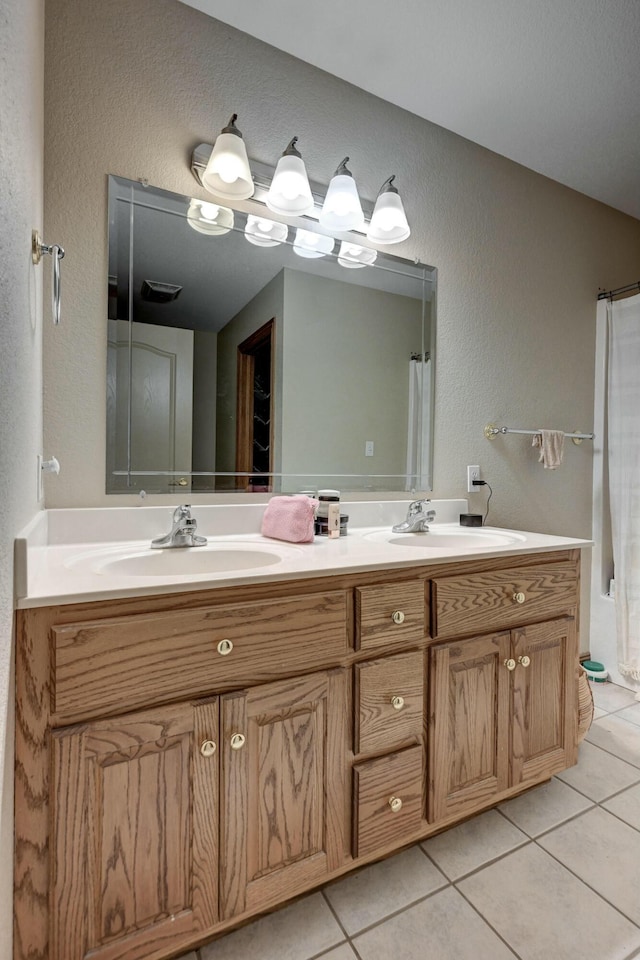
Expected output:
(225, 647)
(207, 748)
(397, 703)
(519, 597)
(397, 616)
(237, 741)
(524, 661)
(510, 664)
(396, 804)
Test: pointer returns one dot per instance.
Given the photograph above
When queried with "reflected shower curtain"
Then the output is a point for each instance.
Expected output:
(623, 319)
(419, 425)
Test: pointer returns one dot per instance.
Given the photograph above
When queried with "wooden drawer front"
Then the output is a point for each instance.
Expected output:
(388, 702)
(485, 602)
(397, 776)
(133, 661)
(375, 609)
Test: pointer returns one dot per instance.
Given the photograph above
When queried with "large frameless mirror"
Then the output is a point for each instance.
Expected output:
(241, 361)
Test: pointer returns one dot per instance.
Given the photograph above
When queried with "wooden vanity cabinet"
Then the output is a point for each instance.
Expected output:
(184, 762)
(134, 838)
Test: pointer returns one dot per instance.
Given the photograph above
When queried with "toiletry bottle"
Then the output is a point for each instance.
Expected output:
(329, 508)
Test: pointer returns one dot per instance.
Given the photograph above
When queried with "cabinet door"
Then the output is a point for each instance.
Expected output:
(134, 836)
(469, 724)
(284, 804)
(544, 738)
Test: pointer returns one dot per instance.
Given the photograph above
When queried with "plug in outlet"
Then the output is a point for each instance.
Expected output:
(473, 473)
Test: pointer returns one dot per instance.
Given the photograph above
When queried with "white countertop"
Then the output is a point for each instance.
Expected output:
(51, 570)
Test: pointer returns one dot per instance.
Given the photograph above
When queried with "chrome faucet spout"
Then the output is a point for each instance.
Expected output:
(183, 531)
(419, 516)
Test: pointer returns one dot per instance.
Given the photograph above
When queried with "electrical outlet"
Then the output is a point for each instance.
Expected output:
(368, 448)
(473, 473)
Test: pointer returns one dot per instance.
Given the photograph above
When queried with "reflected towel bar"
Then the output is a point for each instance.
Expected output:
(491, 432)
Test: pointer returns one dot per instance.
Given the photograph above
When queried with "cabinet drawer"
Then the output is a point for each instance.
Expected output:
(485, 602)
(378, 786)
(390, 614)
(389, 695)
(134, 661)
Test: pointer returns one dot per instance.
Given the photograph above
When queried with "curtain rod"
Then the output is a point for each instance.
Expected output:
(614, 293)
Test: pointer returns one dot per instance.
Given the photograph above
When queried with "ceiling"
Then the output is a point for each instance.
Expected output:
(551, 84)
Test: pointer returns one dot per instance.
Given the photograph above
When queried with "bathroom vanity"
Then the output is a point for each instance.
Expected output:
(188, 759)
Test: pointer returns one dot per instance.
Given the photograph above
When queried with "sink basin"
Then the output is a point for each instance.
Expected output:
(214, 558)
(449, 538)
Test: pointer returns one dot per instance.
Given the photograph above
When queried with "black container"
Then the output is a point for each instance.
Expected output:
(322, 526)
(470, 519)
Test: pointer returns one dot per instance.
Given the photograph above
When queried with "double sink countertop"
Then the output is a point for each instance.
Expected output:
(74, 556)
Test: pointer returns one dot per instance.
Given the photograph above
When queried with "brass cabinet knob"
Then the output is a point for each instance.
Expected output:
(510, 664)
(237, 741)
(396, 804)
(519, 597)
(524, 661)
(225, 647)
(207, 748)
(397, 616)
(397, 703)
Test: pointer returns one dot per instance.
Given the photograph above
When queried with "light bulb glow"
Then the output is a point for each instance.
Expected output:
(209, 218)
(209, 211)
(227, 173)
(389, 221)
(265, 233)
(342, 209)
(312, 245)
(290, 193)
(352, 255)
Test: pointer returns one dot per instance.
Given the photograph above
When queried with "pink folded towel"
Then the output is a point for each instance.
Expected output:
(290, 518)
(552, 443)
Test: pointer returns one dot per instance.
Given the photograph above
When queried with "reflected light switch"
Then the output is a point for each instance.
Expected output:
(368, 448)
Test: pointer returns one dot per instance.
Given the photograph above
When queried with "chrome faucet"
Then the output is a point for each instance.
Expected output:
(183, 532)
(418, 518)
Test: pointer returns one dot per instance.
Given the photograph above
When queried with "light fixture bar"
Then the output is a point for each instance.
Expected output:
(262, 176)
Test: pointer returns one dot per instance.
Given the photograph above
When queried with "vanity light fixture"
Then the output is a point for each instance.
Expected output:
(353, 256)
(389, 221)
(227, 173)
(342, 210)
(290, 193)
(312, 245)
(209, 218)
(265, 233)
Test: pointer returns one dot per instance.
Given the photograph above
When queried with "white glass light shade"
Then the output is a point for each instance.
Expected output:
(312, 245)
(388, 221)
(352, 256)
(227, 173)
(209, 218)
(341, 209)
(265, 233)
(290, 193)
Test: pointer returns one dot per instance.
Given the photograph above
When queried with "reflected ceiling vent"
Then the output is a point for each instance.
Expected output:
(156, 292)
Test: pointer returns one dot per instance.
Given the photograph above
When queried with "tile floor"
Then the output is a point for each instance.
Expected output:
(551, 875)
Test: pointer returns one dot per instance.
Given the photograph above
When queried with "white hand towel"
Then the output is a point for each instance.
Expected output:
(552, 443)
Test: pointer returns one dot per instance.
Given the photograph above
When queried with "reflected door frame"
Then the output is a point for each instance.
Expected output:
(248, 350)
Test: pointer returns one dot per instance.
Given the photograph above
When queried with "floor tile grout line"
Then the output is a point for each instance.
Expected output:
(611, 754)
(486, 863)
(400, 910)
(333, 911)
(587, 885)
(485, 921)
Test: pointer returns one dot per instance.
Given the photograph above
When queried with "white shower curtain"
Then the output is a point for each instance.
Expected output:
(419, 424)
(624, 475)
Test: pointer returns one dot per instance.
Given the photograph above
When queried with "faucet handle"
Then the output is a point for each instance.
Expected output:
(183, 512)
(417, 507)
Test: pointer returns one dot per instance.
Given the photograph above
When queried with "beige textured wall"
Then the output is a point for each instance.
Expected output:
(132, 87)
(21, 146)
(346, 362)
